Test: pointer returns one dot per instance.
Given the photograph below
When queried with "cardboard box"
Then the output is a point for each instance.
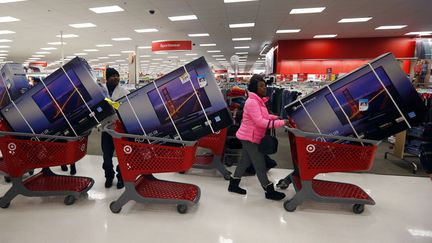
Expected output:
(357, 104)
(176, 105)
(13, 77)
(43, 110)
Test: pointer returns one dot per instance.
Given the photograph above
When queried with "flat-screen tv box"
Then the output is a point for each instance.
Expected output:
(373, 102)
(68, 102)
(180, 105)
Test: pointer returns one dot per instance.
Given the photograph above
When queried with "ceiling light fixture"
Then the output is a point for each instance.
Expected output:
(80, 54)
(11, 1)
(144, 47)
(325, 36)
(241, 47)
(420, 33)
(121, 39)
(191, 54)
(127, 51)
(48, 48)
(145, 56)
(5, 19)
(57, 43)
(354, 20)
(288, 31)
(6, 32)
(106, 9)
(82, 25)
(67, 36)
(182, 18)
(241, 53)
(146, 30)
(242, 25)
(239, 1)
(5, 40)
(104, 45)
(207, 44)
(218, 56)
(213, 51)
(198, 35)
(91, 50)
(114, 55)
(306, 10)
(391, 27)
(242, 39)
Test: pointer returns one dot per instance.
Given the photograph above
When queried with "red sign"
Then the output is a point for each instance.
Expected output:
(38, 64)
(172, 46)
(220, 71)
(301, 77)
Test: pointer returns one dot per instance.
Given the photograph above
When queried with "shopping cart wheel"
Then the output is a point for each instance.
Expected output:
(284, 183)
(69, 200)
(114, 209)
(6, 205)
(288, 207)
(358, 208)
(182, 208)
(7, 179)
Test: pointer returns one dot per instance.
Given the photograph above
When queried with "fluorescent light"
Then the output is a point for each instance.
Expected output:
(391, 27)
(420, 33)
(214, 51)
(288, 31)
(217, 55)
(220, 59)
(49, 48)
(145, 56)
(241, 47)
(101, 58)
(127, 51)
(3, 54)
(4, 51)
(120, 60)
(324, 36)
(354, 20)
(174, 57)
(80, 54)
(182, 18)
(121, 39)
(191, 54)
(146, 30)
(5, 40)
(67, 36)
(238, 1)
(306, 10)
(38, 55)
(6, 32)
(104, 45)
(144, 47)
(198, 35)
(242, 39)
(11, 1)
(5, 19)
(242, 25)
(157, 59)
(82, 25)
(106, 9)
(34, 58)
(161, 53)
(207, 44)
(57, 43)
(114, 55)
(241, 53)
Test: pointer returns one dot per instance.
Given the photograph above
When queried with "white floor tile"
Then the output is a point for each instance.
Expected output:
(401, 214)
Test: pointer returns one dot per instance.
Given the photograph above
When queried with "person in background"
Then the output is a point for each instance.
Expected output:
(114, 91)
(252, 129)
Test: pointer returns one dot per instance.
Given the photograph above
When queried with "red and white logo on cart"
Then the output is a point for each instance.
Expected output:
(310, 148)
(127, 149)
(12, 146)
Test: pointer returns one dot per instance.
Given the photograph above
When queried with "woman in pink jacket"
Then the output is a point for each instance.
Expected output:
(252, 130)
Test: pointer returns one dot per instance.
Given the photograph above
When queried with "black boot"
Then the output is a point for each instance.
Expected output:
(234, 186)
(271, 194)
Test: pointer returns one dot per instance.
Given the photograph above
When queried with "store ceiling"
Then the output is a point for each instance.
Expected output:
(41, 20)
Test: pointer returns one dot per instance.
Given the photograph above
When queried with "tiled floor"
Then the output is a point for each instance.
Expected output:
(401, 214)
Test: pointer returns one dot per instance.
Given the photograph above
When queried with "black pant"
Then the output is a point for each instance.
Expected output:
(107, 145)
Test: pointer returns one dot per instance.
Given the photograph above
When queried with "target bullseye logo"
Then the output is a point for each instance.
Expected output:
(12, 146)
(310, 148)
(127, 149)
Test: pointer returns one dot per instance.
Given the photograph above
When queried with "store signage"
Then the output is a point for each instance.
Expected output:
(172, 46)
(38, 64)
(302, 77)
(220, 71)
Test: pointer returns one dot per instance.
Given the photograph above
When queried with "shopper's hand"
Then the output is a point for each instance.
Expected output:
(290, 123)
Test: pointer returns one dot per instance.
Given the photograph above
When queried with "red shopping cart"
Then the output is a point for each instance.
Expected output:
(215, 142)
(312, 155)
(139, 160)
(22, 154)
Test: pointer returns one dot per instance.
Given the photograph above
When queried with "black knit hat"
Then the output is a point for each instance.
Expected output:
(253, 82)
(110, 72)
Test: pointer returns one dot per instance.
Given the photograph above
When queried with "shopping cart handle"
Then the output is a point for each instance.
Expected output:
(32, 135)
(116, 134)
(301, 133)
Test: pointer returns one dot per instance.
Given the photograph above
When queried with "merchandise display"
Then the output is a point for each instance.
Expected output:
(70, 92)
(12, 77)
(374, 102)
(178, 105)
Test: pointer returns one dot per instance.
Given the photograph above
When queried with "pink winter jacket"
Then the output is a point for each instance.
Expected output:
(255, 119)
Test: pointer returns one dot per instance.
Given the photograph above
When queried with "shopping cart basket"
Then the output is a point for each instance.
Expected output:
(22, 155)
(138, 160)
(215, 142)
(311, 157)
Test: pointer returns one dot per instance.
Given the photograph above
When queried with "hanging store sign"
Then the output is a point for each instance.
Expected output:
(172, 46)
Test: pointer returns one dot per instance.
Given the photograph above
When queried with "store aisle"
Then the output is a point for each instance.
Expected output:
(402, 214)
